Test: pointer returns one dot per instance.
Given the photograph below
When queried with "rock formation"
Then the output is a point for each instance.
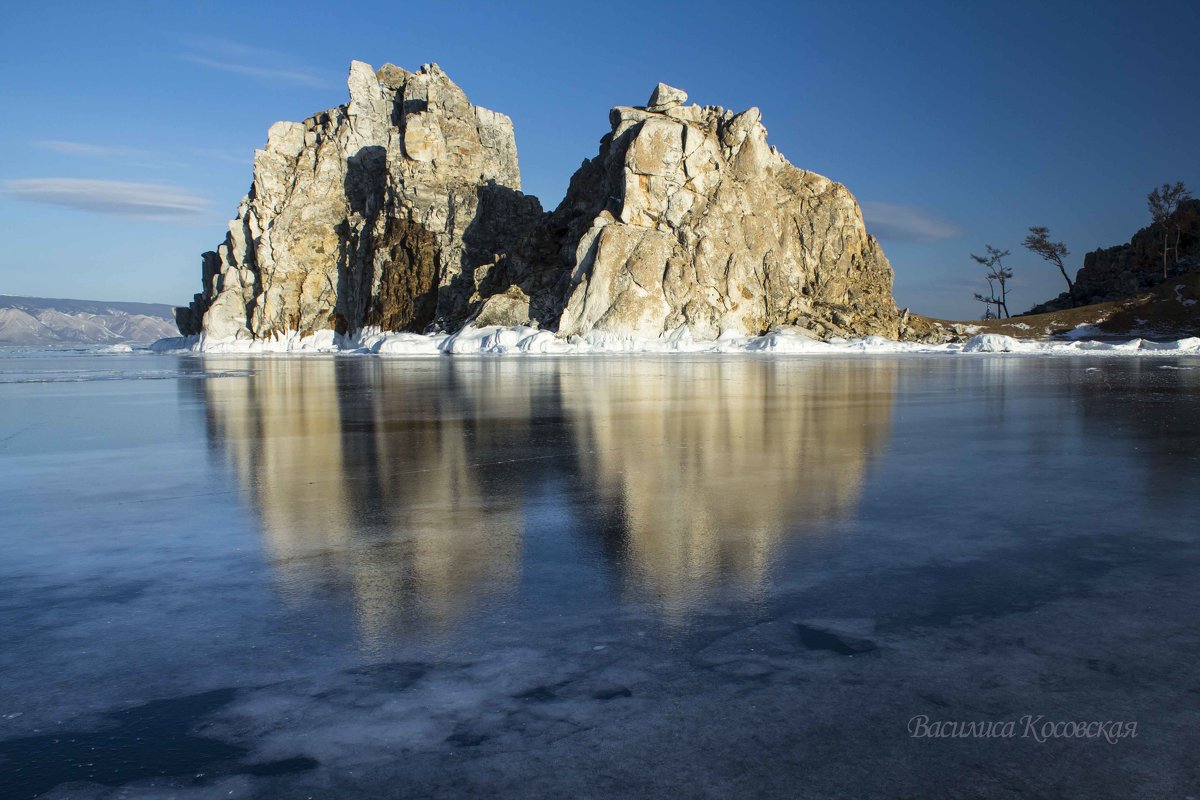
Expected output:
(383, 212)
(688, 217)
(401, 211)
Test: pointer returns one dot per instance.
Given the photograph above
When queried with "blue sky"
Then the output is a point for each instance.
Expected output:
(130, 127)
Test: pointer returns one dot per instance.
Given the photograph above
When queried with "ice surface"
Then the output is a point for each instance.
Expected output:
(595, 577)
(527, 341)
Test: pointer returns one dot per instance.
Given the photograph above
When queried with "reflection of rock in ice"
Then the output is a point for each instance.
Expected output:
(361, 480)
(711, 462)
(397, 479)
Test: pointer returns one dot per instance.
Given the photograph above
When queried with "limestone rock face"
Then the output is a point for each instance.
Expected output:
(379, 212)
(688, 217)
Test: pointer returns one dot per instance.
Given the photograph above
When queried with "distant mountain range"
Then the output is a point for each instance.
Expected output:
(35, 321)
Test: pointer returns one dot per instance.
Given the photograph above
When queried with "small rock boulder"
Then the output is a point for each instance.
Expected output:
(508, 309)
(664, 97)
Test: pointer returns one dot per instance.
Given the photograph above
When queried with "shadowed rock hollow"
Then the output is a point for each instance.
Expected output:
(402, 210)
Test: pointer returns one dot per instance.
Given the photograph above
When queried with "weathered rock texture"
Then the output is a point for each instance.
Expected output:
(382, 212)
(401, 210)
(1116, 273)
(688, 217)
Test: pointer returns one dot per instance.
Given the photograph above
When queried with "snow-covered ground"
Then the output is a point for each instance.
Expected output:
(528, 341)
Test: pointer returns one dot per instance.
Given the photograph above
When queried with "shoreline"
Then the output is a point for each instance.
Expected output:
(524, 341)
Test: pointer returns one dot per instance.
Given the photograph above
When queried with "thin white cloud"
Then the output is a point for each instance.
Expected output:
(136, 156)
(158, 201)
(89, 149)
(265, 66)
(907, 223)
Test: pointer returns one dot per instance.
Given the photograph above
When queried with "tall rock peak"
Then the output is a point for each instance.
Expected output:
(379, 212)
(688, 217)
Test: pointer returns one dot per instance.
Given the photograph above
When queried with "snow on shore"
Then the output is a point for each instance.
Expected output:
(529, 341)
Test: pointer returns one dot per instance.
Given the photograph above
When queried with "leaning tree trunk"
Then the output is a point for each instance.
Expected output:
(1066, 277)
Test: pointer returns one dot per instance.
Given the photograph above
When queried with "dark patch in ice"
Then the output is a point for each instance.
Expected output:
(1106, 667)
(935, 699)
(466, 739)
(153, 740)
(284, 766)
(117, 593)
(41, 598)
(1014, 581)
(394, 675)
(818, 639)
(146, 741)
(1019, 579)
(540, 694)
(611, 693)
(42, 608)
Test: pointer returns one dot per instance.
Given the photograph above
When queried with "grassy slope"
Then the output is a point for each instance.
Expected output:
(1169, 311)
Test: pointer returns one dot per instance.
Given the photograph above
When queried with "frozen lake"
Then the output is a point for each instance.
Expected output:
(681, 576)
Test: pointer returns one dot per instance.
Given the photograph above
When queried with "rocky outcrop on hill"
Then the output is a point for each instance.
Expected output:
(402, 211)
(1115, 273)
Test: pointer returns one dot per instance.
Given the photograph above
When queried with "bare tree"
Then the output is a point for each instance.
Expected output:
(1039, 242)
(998, 277)
(988, 301)
(1164, 210)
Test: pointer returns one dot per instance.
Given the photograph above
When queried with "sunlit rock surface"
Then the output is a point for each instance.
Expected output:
(688, 217)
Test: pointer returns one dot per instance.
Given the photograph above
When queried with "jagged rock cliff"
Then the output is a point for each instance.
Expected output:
(380, 212)
(401, 211)
(688, 217)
